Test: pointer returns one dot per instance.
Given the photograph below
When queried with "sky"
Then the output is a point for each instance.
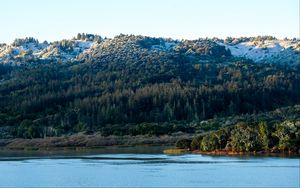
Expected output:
(179, 19)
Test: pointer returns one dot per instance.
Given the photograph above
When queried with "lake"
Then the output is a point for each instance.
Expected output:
(144, 169)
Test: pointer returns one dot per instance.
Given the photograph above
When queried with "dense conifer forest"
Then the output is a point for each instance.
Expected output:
(134, 85)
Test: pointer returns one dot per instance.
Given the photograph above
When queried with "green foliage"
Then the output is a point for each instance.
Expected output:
(196, 142)
(183, 144)
(216, 140)
(20, 42)
(89, 37)
(150, 129)
(263, 132)
(202, 48)
(209, 142)
(288, 135)
(148, 42)
(27, 129)
(79, 127)
(244, 137)
(222, 137)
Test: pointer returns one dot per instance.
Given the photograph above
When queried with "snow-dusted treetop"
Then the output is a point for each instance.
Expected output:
(258, 49)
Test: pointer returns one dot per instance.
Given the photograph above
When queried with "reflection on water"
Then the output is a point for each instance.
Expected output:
(146, 170)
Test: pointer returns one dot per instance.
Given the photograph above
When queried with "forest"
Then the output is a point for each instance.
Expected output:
(132, 89)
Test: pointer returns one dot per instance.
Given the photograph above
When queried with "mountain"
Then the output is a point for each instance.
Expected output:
(259, 49)
(136, 85)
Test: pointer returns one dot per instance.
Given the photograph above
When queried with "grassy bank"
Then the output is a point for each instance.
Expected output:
(87, 141)
(175, 151)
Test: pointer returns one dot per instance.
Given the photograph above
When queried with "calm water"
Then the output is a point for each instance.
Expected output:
(145, 170)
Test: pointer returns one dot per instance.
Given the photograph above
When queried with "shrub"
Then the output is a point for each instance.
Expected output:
(244, 138)
(183, 144)
(196, 142)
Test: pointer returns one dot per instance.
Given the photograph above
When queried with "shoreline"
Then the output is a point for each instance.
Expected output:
(253, 153)
(93, 143)
(176, 151)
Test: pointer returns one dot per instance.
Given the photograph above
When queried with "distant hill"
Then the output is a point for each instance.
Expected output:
(133, 85)
(259, 49)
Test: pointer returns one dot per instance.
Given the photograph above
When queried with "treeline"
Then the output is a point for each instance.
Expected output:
(89, 37)
(245, 137)
(20, 42)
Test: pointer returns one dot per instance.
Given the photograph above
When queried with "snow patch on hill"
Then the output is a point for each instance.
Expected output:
(11, 54)
(273, 51)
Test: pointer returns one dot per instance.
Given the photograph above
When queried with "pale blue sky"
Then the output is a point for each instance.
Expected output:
(58, 19)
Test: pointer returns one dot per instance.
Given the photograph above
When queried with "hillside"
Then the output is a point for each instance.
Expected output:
(264, 49)
(136, 85)
(259, 49)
